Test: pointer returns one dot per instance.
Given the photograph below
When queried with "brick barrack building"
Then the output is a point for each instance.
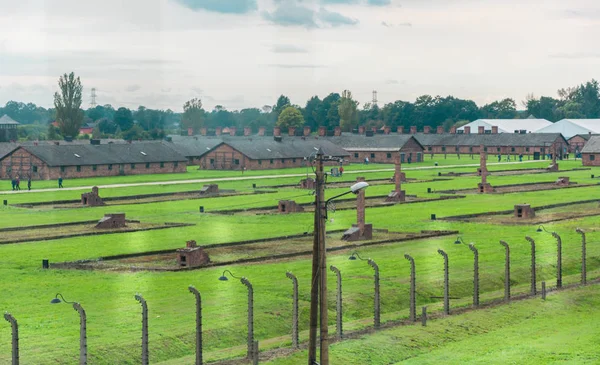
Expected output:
(46, 162)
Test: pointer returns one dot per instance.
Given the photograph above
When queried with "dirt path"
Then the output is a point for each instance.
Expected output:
(242, 178)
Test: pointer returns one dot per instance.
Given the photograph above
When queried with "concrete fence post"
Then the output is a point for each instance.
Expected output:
(250, 316)
(413, 301)
(377, 301)
(424, 316)
(145, 354)
(583, 256)
(15, 337)
(475, 274)
(255, 353)
(506, 271)
(82, 333)
(446, 283)
(295, 341)
(543, 290)
(533, 276)
(558, 260)
(338, 322)
(196, 293)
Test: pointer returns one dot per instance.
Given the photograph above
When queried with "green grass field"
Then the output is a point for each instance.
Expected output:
(49, 333)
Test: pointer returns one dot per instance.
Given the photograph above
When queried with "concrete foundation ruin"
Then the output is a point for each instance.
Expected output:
(209, 189)
(289, 206)
(308, 183)
(192, 255)
(524, 211)
(113, 220)
(360, 230)
(554, 166)
(562, 181)
(397, 195)
(92, 199)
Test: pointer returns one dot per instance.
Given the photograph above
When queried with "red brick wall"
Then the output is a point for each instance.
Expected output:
(493, 150)
(575, 142)
(45, 172)
(587, 161)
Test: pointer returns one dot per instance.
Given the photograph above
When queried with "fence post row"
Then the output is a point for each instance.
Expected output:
(82, 333)
(250, 316)
(196, 293)
(583, 256)
(338, 322)
(446, 283)
(533, 276)
(377, 302)
(506, 271)
(145, 355)
(15, 337)
(475, 274)
(413, 304)
(558, 260)
(295, 341)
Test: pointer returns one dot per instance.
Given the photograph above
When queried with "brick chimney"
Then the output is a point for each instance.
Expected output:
(276, 131)
(481, 130)
(291, 131)
(322, 131)
(360, 207)
(190, 131)
(427, 129)
(337, 131)
(261, 131)
(361, 129)
(306, 131)
(467, 130)
(232, 131)
(203, 131)
(413, 129)
(440, 129)
(247, 131)
(387, 130)
(452, 130)
(400, 129)
(494, 129)
(218, 131)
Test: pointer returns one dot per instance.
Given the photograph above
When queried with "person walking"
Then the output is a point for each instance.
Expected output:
(29, 183)
(18, 183)
(13, 183)
(341, 170)
(60, 181)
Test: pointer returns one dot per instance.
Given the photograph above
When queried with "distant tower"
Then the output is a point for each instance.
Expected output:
(93, 103)
(374, 101)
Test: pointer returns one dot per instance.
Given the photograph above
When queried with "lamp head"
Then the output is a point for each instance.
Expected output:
(55, 301)
(458, 240)
(539, 229)
(359, 186)
(353, 257)
(223, 278)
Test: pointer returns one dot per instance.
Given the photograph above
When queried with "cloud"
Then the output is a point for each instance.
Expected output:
(132, 88)
(288, 48)
(395, 82)
(335, 19)
(390, 25)
(279, 65)
(379, 2)
(221, 6)
(576, 55)
(593, 14)
(197, 90)
(289, 13)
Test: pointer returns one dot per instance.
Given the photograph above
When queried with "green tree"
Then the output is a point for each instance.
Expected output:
(282, 103)
(52, 132)
(68, 105)
(193, 115)
(123, 118)
(290, 117)
(347, 111)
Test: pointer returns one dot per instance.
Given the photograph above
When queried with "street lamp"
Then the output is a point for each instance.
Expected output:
(472, 247)
(247, 283)
(377, 301)
(82, 327)
(558, 255)
(318, 295)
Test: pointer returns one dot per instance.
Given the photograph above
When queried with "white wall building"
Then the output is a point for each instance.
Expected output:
(506, 125)
(571, 127)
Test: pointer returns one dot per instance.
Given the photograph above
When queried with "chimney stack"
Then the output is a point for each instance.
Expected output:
(306, 131)
(261, 131)
(203, 131)
(426, 129)
(440, 129)
(413, 129)
(452, 130)
(400, 129)
(374, 130)
(337, 131)
(322, 131)
(467, 130)
(276, 132)
(232, 131)
(291, 131)
(190, 131)
(361, 129)
(481, 129)
(247, 131)
(494, 129)
(218, 131)
(387, 130)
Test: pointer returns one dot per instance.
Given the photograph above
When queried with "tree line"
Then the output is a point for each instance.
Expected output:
(581, 101)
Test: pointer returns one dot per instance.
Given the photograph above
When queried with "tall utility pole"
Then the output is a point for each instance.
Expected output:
(374, 101)
(318, 263)
(93, 103)
(322, 213)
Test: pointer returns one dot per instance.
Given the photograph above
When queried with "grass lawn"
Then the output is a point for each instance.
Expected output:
(49, 334)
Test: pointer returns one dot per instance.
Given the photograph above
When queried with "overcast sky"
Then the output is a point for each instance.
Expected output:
(245, 53)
